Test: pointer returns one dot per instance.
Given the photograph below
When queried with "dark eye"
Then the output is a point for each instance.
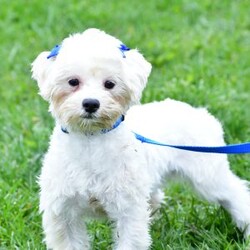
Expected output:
(73, 82)
(109, 84)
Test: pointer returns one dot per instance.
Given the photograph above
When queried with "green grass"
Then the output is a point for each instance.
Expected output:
(200, 54)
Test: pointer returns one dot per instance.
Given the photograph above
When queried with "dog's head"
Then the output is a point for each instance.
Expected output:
(90, 80)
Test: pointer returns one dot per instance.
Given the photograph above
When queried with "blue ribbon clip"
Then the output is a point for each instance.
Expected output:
(123, 48)
(54, 51)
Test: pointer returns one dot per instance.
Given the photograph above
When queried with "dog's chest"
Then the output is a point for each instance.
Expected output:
(93, 165)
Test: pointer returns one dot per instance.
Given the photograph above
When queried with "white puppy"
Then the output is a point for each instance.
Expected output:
(94, 168)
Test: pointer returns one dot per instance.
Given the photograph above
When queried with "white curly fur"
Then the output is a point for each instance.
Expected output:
(90, 174)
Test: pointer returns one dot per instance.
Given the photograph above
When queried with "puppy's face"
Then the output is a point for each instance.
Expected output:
(91, 82)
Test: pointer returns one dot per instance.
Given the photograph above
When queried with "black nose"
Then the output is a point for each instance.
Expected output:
(90, 105)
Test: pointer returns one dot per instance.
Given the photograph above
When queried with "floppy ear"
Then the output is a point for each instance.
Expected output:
(40, 70)
(137, 70)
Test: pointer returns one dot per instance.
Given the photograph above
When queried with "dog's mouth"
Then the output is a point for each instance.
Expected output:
(88, 116)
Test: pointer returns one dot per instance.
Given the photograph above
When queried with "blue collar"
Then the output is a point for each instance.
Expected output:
(103, 131)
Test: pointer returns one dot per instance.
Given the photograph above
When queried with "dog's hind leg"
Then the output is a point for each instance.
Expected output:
(217, 183)
(235, 199)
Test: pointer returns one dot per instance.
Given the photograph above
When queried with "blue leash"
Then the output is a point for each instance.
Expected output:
(243, 148)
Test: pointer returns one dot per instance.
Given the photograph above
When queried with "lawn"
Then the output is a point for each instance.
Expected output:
(200, 52)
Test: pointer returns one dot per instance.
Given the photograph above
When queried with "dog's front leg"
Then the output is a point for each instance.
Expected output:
(65, 230)
(132, 227)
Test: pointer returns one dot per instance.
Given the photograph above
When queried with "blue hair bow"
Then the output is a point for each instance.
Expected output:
(123, 48)
(54, 51)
